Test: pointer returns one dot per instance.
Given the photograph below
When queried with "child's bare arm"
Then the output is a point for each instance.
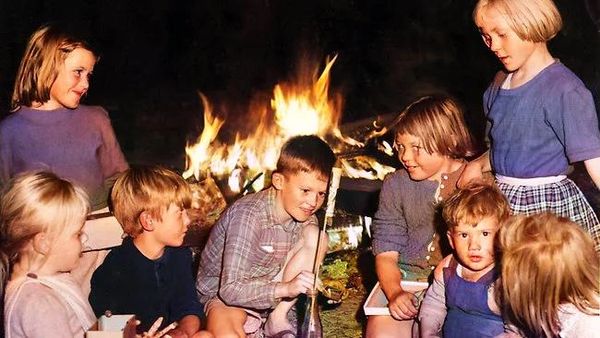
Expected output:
(400, 302)
(433, 308)
(593, 168)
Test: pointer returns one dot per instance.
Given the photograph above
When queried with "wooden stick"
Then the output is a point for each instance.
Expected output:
(334, 184)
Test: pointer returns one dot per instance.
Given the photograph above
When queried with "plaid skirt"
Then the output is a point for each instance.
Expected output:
(562, 198)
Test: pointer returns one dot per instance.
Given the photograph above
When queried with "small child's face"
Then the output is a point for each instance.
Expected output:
(419, 164)
(72, 81)
(499, 37)
(171, 230)
(474, 245)
(66, 248)
(300, 194)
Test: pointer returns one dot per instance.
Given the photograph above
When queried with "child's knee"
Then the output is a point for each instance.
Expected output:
(311, 235)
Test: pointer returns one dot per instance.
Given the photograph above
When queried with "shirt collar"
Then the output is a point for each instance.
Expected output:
(288, 224)
(132, 250)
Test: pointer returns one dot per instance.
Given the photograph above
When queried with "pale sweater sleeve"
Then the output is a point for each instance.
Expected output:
(38, 312)
(433, 309)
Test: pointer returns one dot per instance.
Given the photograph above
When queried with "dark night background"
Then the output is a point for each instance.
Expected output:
(156, 55)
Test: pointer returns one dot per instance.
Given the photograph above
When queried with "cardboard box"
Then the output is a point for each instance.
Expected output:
(377, 302)
(110, 327)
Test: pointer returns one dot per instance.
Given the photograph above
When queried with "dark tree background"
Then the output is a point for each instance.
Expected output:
(156, 55)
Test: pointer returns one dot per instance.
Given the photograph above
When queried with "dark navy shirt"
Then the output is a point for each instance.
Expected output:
(130, 283)
(541, 126)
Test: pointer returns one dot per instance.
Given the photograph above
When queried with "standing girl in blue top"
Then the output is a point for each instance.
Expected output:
(541, 116)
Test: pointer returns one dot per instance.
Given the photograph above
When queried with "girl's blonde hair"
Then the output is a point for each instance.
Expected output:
(439, 123)
(33, 203)
(546, 261)
(46, 51)
(531, 20)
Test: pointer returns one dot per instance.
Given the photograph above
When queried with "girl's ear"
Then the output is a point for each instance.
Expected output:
(277, 180)
(41, 243)
(147, 221)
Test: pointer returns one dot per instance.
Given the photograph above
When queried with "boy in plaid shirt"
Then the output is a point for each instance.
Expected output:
(260, 253)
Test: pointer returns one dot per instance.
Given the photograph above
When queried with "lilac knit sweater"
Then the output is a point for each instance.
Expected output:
(76, 144)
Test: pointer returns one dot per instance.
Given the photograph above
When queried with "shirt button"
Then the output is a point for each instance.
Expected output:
(432, 249)
(445, 177)
(442, 186)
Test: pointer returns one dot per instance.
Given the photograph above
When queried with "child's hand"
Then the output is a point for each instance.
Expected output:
(303, 282)
(177, 333)
(471, 173)
(403, 306)
(130, 328)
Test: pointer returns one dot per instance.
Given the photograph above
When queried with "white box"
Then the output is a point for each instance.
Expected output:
(110, 327)
(377, 302)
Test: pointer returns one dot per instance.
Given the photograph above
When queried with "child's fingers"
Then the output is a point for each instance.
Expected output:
(166, 329)
(155, 326)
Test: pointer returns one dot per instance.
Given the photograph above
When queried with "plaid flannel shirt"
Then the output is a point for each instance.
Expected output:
(246, 249)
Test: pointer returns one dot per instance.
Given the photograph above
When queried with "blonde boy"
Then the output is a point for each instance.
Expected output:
(259, 255)
(460, 303)
(149, 275)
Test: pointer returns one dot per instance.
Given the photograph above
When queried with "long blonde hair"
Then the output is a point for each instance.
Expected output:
(46, 51)
(546, 261)
(33, 203)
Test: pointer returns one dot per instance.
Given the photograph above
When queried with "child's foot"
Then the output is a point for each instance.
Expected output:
(279, 328)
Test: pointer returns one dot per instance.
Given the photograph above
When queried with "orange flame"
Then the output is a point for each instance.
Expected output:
(301, 108)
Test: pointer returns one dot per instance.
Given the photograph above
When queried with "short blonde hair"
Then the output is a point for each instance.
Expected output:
(546, 261)
(531, 20)
(147, 189)
(46, 51)
(439, 123)
(33, 203)
(474, 203)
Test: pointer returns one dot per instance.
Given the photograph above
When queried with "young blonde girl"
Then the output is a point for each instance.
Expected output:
(41, 218)
(432, 142)
(550, 272)
(48, 129)
(541, 116)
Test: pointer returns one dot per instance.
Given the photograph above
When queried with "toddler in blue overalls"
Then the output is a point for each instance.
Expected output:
(460, 302)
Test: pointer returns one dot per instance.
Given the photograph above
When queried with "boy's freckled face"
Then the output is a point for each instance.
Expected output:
(172, 228)
(474, 245)
(301, 194)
